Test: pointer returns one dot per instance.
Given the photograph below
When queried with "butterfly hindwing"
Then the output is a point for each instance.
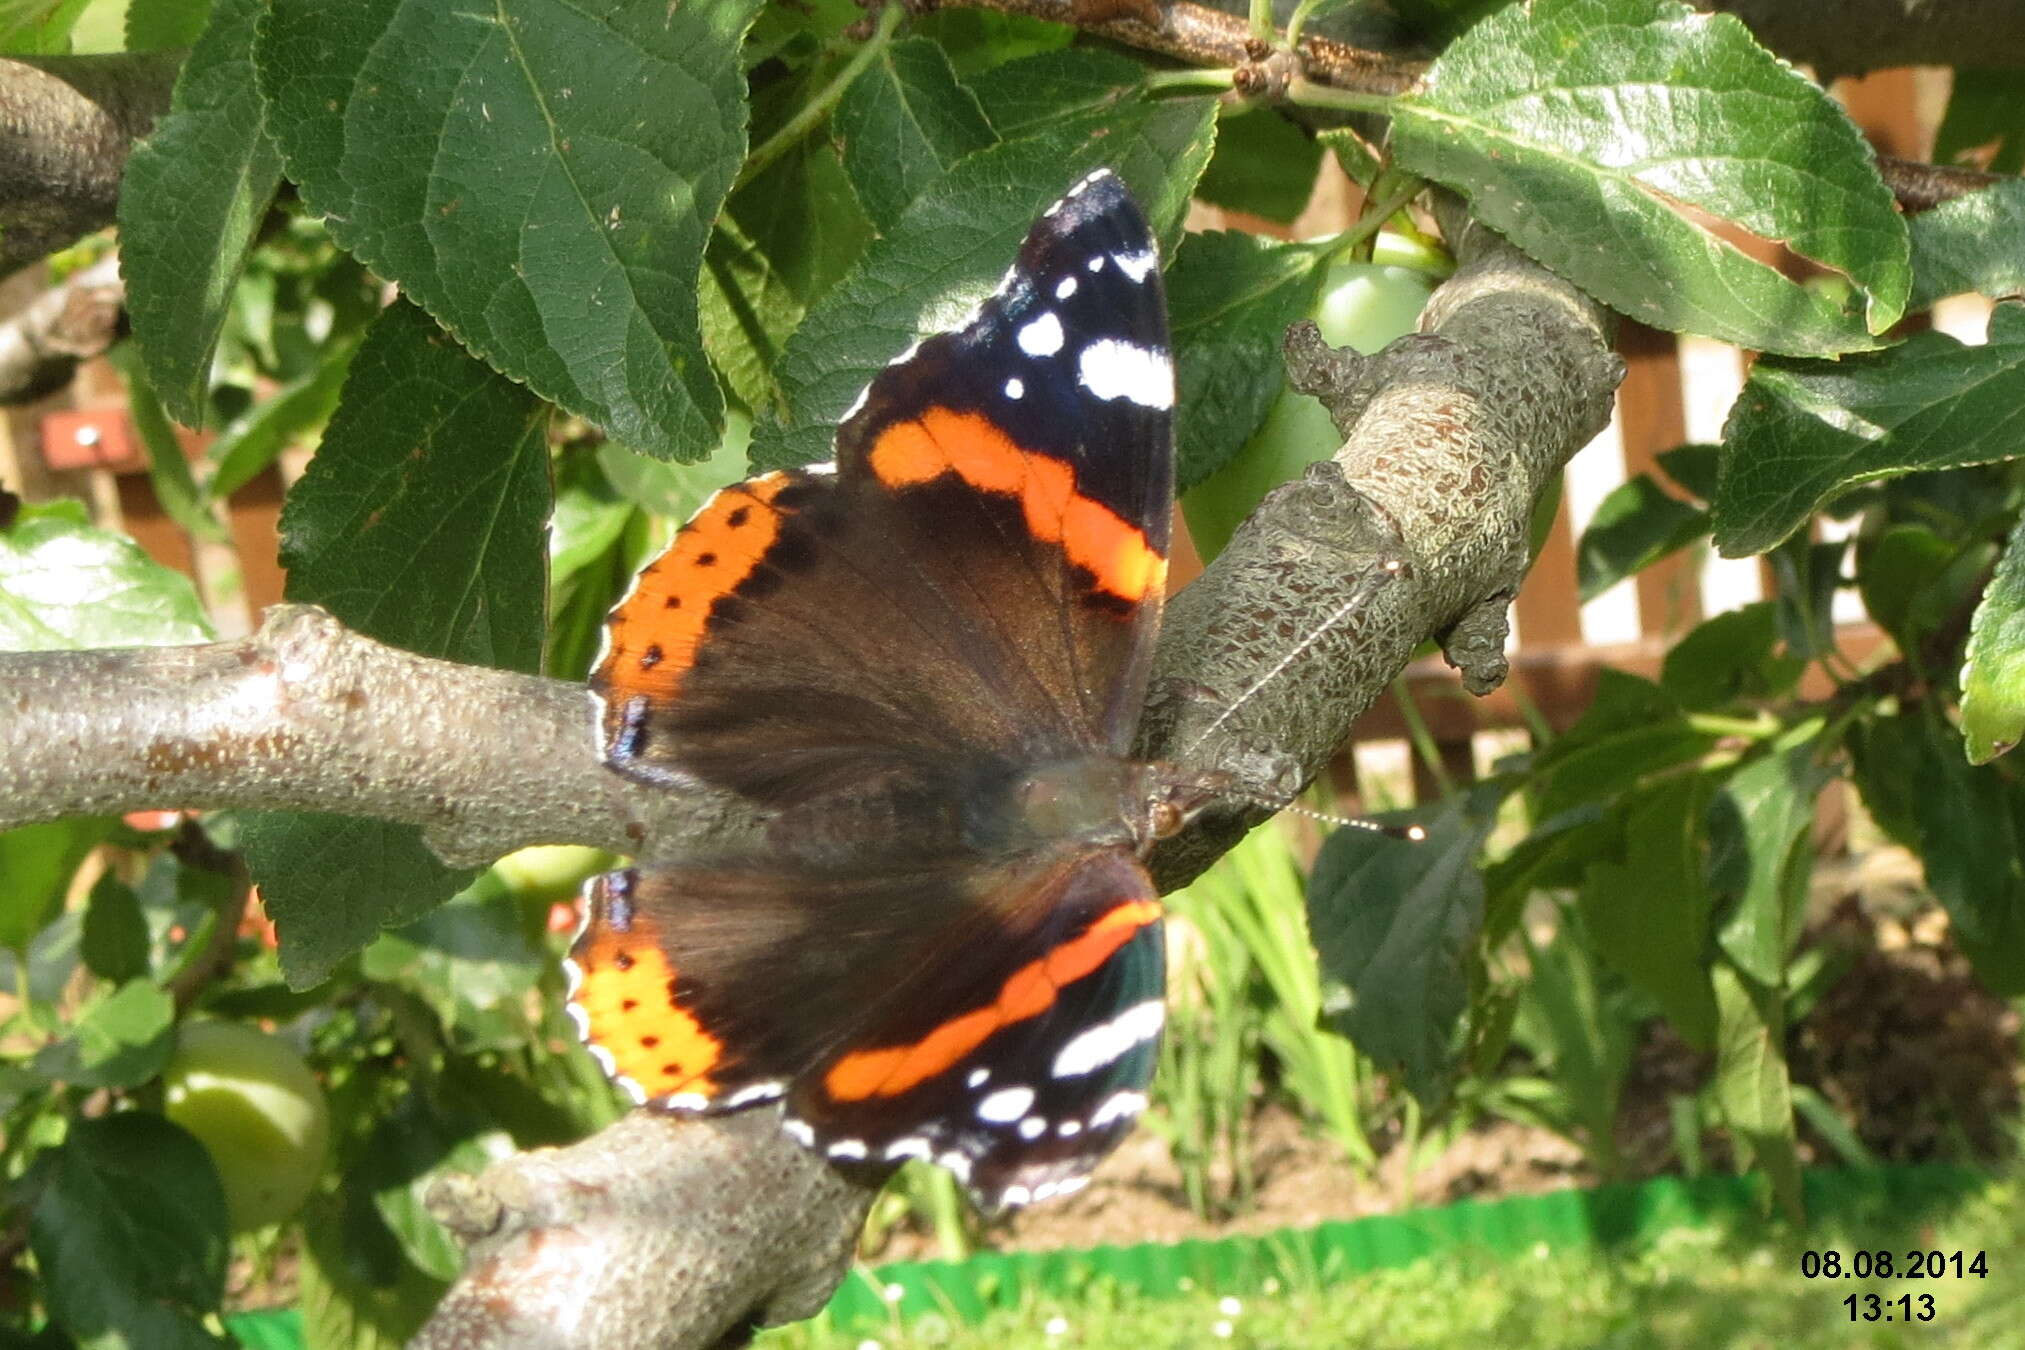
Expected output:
(1039, 989)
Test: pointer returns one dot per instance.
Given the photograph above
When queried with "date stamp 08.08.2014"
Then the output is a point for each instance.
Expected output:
(1905, 1301)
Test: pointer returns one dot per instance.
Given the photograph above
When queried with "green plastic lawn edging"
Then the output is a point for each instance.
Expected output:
(1601, 1218)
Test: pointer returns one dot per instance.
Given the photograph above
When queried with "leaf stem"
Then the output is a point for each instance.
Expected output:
(804, 121)
(1263, 27)
(1307, 93)
(1373, 217)
(1299, 20)
(1221, 78)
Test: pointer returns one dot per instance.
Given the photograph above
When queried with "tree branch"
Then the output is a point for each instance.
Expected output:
(679, 1233)
(1850, 37)
(78, 317)
(66, 124)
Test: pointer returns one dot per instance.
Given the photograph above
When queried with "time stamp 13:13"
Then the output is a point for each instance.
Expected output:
(1915, 1263)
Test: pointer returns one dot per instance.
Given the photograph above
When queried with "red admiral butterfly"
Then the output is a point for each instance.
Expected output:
(925, 663)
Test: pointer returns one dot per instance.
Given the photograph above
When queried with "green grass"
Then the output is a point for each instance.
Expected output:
(1700, 1289)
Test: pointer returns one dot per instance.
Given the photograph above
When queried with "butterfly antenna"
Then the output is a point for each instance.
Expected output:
(1413, 834)
(1373, 581)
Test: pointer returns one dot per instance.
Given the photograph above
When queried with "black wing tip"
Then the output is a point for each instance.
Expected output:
(1098, 195)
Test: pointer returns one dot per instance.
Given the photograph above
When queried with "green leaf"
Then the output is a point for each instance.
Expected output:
(1020, 97)
(540, 175)
(1602, 136)
(1974, 243)
(1649, 915)
(421, 520)
(1694, 467)
(155, 25)
(949, 249)
(128, 1227)
(1634, 527)
(1395, 922)
(1761, 857)
(256, 439)
(1752, 1085)
(39, 28)
(676, 491)
(1264, 165)
(64, 584)
(193, 195)
(1985, 121)
(168, 464)
(330, 884)
(785, 239)
(120, 1040)
(1583, 1032)
(115, 941)
(902, 125)
(1914, 581)
(36, 865)
(1993, 669)
(981, 40)
(1230, 297)
(590, 514)
(1730, 658)
(1970, 824)
(472, 950)
(1801, 432)
(1633, 728)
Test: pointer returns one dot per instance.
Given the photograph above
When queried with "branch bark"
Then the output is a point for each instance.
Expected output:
(77, 318)
(66, 124)
(1853, 36)
(684, 1233)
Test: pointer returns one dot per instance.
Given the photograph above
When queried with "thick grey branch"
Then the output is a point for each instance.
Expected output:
(675, 1235)
(66, 124)
(1849, 37)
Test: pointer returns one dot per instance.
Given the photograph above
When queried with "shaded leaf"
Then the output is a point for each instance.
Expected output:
(1020, 97)
(1761, 857)
(950, 248)
(153, 25)
(1993, 668)
(539, 175)
(1582, 1033)
(65, 584)
(168, 463)
(1394, 923)
(1733, 656)
(903, 124)
(193, 195)
(1264, 165)
(470, 950)
(1633, 728)
(115, 941)
(1801, 432)
(1752, 1085)
(1230, 298)
(256, 439)
(1974, 243)
(1694, 467)
(128, 1227)
(1914, 582)
(36, 865)
(1985, 122)
(1649, 915)
(1602, 136)
(1970, 826)
(1635, 526)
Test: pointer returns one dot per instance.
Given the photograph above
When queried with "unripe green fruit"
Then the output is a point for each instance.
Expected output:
(254, 1104)
(1363, 305)
(550, 872)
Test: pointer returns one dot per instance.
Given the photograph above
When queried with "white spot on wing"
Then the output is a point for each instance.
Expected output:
(1110, 368)
(1006, 1105)
(957, 1163)
(1033, 1127)
(758, 1092)
(1138, 266)
(913, 1146)
(1016, 1195)
(1118, 1106)
(1041, 335)
(799, 1131)
(1015, 388)
(686, 1101)
(633, 1089)
(1096, 263)
(977, 1078)
(1069, 1129)
(1065, 288)
(849, 1149)
(1102, 1044)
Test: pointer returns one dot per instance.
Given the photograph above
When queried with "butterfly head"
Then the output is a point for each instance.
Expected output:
(1101, 801)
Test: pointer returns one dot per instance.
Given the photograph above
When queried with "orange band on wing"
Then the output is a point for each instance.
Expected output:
(656, 630)
(625, 987)
(942, 441)
(1028, 992)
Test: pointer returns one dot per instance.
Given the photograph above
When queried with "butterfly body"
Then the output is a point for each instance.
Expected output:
(922, 666)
